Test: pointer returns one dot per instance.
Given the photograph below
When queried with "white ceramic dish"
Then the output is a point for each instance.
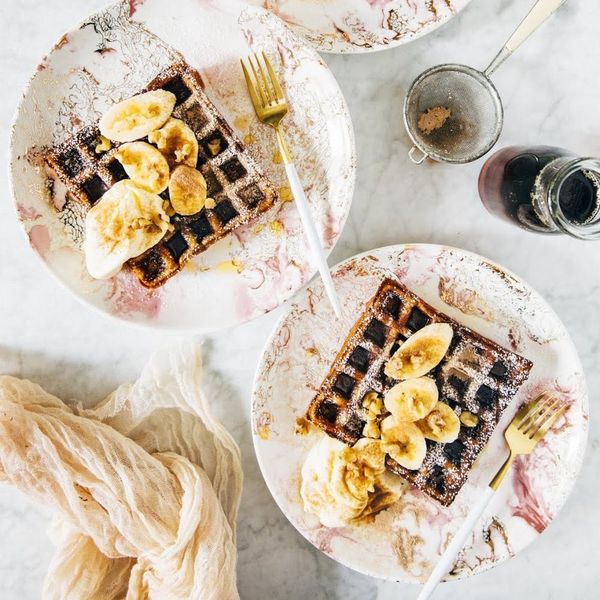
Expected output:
(351, 26)
(406, 541)
(117, 52)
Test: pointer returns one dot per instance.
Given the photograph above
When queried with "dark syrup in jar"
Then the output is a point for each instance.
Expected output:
(507, 187)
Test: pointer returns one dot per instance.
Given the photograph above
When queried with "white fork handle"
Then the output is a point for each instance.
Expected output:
(456, 545)
(312, 235)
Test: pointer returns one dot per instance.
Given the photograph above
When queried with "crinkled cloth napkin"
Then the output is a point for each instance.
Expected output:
(146, 485)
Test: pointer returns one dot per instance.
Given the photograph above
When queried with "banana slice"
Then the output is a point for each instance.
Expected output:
(136, 117)
(421, 352)
(187, 190)
(412, 400)
(441, 424)
(404, 442)
(123, 224)
(145, 165)
(177, 142)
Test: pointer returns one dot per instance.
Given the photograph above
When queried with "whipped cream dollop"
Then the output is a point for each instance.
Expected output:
(341, 484)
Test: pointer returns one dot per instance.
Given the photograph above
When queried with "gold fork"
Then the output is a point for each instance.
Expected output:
(271, 108)
(529, 426)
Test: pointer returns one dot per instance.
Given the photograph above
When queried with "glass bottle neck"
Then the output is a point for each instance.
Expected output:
(566, 197)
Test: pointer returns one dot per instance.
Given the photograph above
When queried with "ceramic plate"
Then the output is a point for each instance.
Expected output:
(347, 26)
(404, 542)
(117, 52)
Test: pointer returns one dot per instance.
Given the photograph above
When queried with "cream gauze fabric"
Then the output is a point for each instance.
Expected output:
(146, 486)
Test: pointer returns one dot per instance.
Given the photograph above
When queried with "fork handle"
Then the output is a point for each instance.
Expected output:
(537, 15)
(456, 544)
(308, 224)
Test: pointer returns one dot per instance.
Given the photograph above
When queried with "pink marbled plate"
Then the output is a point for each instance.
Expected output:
(351, 26)
(114, 54)
(405, 542)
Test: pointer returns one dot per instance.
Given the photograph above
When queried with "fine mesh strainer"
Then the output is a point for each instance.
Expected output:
(476, 114)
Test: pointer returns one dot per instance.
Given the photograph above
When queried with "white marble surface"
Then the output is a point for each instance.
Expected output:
(551, 94)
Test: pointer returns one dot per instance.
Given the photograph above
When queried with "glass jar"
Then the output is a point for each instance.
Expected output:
(543, 189)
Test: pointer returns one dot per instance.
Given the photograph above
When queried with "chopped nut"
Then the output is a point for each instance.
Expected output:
(468, 419)
(214, 146)
(210, 203)
(103, 145)
(303, 426)
(376, 407)
(168, 208)
(371, 430)
(373, 402)
(182, 154)
(368, 398)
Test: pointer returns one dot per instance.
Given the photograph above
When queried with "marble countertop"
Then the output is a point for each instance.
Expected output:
(551, 94)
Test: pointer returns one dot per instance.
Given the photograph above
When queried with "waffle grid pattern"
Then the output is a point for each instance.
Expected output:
(240, 189)
(476, 375)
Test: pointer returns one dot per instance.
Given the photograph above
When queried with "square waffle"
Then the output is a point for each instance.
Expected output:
(234, 180)
(476, 375)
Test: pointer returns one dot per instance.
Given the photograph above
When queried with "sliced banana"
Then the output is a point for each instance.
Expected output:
(123, 224)
(134, 118)
(441, 424)
(421, 352)
(145, 165)
(177, 142)
(187, 190)
(404, 442)
(413, 399)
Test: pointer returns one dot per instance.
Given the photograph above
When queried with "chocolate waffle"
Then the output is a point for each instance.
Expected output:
(234, 180)
(476, 375)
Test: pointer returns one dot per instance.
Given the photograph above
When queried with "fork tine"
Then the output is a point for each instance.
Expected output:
(271, 96)
(527, 411)
(274, 79)
(256, 101)
(535, 407)
(549, 422)
(549, 407)
(259, 84)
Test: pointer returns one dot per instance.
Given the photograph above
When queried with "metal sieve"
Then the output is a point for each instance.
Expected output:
(476, 113)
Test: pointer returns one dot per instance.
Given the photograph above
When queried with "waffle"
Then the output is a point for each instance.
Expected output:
(234, 180)
(476, 375)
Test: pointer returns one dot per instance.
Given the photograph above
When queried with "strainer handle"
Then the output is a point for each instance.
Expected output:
(537, 15)
(415, 158)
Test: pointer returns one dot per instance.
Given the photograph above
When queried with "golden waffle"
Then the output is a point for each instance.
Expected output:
(476, 375)
(234, 180)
